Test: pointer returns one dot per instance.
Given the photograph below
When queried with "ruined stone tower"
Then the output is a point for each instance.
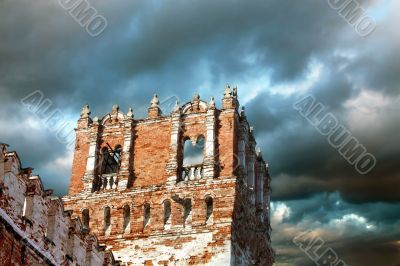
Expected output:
(151, 202)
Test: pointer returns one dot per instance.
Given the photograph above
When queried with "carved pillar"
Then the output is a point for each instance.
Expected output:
(260, 184)
(3, 150)
(154, 110)
(267, 192)
(209, 160)
(172, 166)
(82, 142)
(251, 174)
(242, 143)
(126, 171)
(242, 147)
(92, 162)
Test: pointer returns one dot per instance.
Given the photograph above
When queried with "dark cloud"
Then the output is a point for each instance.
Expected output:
(276, 51)
(360, 234)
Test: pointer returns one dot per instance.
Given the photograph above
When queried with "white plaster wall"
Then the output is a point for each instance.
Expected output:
(79, 251)
(137, 251)
(14, 188)
(223, 257)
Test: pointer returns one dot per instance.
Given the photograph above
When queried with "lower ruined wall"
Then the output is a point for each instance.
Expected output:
(16, 251)
(34, 228)
(195, 242)
(187, 248)
(232, 237)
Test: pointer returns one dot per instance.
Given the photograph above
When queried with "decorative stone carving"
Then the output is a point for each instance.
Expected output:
(130, 113)
(196, 97)
(258, 152)
(85, 113)
(196, 102)
(115, 109)
(177, 108)
(155, 102)
(243, 113)
(211, 104)
(235, 90)
(227, 92)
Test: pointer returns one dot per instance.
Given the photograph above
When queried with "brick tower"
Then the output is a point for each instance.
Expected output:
(137, 184)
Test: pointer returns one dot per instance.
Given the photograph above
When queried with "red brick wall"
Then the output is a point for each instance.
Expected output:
(151, 152)
(227, 143)
(79, 161)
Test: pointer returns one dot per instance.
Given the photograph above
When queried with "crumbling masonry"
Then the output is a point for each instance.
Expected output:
(132, 186)
(34, 227)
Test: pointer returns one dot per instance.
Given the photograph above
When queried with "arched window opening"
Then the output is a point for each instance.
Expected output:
(193, 153)
(167, 214)
(127, 219)
(187, 211)
(209, 210)
(107, 220)
(193, 158)
(85, 218)
(110, 160)
(146, 214)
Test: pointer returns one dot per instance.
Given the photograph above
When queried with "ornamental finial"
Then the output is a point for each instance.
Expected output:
(258, 152)
(212, 103)
(115, 109)
(155, 102)
(130, 112)
(228, 91)
(235, 91)
(242, 112)
(85, 111)
(196, 97)
(177, 108)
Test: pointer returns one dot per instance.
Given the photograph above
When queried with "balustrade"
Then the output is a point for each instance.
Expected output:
(193, 172)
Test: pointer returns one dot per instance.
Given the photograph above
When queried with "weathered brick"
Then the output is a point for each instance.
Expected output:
(235, 177)
(42, 235)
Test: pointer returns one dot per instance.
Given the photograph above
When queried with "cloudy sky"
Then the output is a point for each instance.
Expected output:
(275, 51)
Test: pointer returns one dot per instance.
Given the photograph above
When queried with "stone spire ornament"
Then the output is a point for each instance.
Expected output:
(130, 113)
(196, 103)
(154, 109)
(196, 97)
(85, 113)
(211, 104)
(177, 108)
(230, 101)
(258, 152)
(155, 102)
(235, 90)
(228, 91)
(115, 109)
(242, 112)
(95, 119)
